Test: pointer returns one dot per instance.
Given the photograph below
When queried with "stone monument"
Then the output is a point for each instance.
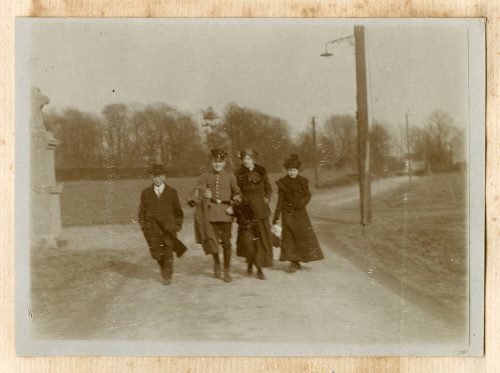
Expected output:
(45, 192)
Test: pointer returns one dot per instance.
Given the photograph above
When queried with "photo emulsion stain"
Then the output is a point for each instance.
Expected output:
(251, 187)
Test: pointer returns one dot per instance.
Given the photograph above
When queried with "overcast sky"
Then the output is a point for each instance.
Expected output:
(270, 65)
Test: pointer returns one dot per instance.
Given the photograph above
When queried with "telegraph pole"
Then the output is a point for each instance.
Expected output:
(408, 147)
(315, 154)
(363, 135)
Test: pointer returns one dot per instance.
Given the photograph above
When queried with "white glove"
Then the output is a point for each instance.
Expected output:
(276, 230)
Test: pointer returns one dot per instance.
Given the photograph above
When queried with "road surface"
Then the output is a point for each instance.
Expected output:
(330, 301)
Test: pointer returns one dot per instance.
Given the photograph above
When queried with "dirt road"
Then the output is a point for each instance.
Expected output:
(118, 295)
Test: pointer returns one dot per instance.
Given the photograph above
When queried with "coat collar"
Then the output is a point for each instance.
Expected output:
(288, 184)
(153, 192)
(212, 171)
(258, 169)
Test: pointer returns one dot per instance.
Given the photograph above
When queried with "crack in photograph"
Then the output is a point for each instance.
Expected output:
(262, 187)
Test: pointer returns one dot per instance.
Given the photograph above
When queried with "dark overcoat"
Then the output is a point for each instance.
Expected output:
(254, 230)
(255, 188)
(298, 240)
(203, 230)
(159, 216)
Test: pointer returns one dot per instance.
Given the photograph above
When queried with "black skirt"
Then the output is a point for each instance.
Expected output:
(254, 243)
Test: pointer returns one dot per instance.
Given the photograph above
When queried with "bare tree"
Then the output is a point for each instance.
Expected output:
(249, 128)
(79, 134)
(434, 142)
(148, 134)
(115, 131)
(304, 148)
(439, 129)
(338, 141)
(380, 140)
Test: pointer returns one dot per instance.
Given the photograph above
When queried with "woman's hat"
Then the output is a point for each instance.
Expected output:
(250, 152)
(218, 154)
(292, 162)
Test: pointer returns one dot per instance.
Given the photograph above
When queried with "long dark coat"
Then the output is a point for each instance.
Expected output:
(159, 217)
(254, 230)
(255, 186)
(298, 240)
(203, 230)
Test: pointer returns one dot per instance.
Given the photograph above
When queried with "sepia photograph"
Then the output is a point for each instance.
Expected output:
(250, 187)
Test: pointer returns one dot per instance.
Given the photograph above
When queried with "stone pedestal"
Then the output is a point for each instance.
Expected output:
(45, 192)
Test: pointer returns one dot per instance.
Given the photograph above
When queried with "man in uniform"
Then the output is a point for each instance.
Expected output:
(214, 193)
(160, 218)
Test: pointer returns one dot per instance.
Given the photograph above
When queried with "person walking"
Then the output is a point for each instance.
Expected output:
(160, 218)
(298, 240)
(214, 193)
(254, 230)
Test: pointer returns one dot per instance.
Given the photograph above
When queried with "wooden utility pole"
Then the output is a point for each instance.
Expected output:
(363, 135)
(315, 154)
(408, 147)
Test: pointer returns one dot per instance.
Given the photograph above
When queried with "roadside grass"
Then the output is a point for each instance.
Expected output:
(109, 201)
(97, 202)
(418, 236)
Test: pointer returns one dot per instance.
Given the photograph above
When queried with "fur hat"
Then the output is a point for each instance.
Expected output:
(292, 162)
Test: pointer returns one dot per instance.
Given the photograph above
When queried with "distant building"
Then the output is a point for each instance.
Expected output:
(416, 161)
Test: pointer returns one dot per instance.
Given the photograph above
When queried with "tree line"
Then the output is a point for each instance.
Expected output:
(123, 140)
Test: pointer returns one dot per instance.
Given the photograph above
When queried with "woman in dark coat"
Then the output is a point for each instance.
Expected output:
(298, 240)
(254, 230)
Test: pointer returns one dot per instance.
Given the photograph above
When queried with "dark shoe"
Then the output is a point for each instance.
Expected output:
(249, 269)
(217, 271)
(298, 265)
(227, 277)
(166, 281)
(292, 268)
(260, 274)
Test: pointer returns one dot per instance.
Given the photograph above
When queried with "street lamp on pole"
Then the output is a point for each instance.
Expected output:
(362, 119)
(348, 38)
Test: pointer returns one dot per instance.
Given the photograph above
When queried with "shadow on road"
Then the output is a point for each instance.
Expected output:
(133, 270)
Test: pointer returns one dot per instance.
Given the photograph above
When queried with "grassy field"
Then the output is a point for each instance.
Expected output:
(417, 242)
(117, 201)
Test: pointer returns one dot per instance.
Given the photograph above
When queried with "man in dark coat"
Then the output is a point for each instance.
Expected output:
(160, 218)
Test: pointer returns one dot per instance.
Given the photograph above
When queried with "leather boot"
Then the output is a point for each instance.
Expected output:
(260, 274)
(292, 268)
(227, 276)
(217, 271)
(249, 268)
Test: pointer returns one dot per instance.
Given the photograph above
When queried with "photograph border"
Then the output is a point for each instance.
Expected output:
(426, 8)
(27, 345)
